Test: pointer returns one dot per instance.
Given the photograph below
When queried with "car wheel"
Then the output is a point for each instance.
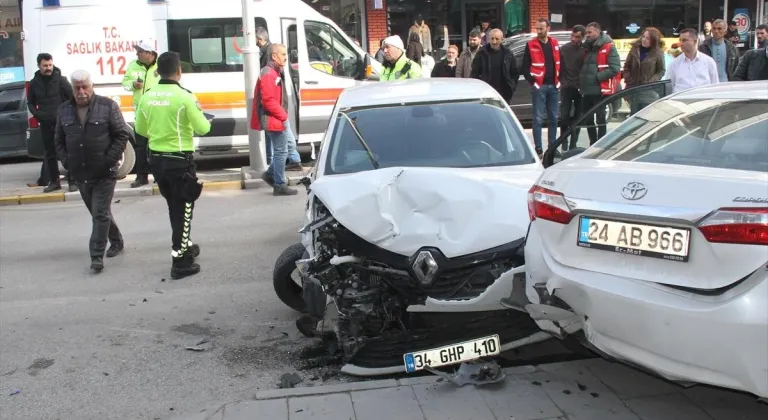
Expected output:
(286, 279)
(126, 162)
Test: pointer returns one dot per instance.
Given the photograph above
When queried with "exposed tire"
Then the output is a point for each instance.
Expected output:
(285, 287)
(127, 161)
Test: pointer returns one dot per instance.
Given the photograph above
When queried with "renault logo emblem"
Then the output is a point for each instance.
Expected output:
(634, 191)
(425, 267)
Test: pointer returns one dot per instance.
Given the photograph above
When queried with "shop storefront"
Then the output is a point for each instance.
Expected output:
(11, 56)
(450, 21)
(624, 20)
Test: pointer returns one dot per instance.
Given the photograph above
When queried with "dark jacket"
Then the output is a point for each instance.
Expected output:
(442, 69)
(46, 93)
(481, 69)
(464, 65)
(651, 69)
(731, 55)
(752, 66)
(590, 77)
(90, 151)
(264, 55)
(270, 101)
(414, 51)
(571, 61)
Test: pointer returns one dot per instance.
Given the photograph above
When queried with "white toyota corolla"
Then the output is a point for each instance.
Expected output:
(652, 245)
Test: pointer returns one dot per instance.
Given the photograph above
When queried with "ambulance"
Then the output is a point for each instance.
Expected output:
(99, 35)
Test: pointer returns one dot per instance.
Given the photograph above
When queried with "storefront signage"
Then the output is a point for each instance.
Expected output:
(633, 28)
(743, 23)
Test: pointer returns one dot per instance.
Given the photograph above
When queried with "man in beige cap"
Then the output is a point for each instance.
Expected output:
(140, 76)
(396, 65)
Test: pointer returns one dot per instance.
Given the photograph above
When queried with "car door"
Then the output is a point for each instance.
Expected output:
(13, 119)
(647, 94)
(328, 64)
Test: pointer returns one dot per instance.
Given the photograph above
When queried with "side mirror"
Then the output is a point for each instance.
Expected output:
(366, 70)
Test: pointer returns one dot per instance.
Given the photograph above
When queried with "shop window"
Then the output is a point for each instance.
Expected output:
(329, 52)
(209, 45)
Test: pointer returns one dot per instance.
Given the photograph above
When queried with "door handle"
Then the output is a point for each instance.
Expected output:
(311, 82)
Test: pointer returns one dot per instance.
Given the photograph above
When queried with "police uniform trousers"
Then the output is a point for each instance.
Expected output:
(173, 173)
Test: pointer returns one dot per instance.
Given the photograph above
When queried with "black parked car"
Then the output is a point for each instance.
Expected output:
(13, 120)
(521, 101)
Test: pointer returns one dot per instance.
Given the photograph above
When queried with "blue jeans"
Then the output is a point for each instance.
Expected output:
(284, 145)
(293, 157)
(545, 98)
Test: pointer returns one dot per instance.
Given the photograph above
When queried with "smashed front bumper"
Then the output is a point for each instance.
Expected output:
(720, 340)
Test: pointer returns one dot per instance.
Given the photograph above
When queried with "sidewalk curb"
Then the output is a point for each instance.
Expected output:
(226, 183)
(271, 394)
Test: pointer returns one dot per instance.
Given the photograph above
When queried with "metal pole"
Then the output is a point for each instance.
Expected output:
(251, 70)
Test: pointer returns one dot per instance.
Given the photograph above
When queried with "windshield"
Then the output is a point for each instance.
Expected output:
(439, 134)
(714, 133)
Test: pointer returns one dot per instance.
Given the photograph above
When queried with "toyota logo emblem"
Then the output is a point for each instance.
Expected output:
(634, 191)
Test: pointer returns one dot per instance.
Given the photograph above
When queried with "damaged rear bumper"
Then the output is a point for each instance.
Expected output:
(719, 340)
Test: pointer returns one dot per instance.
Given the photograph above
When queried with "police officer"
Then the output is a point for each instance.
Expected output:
(396, 65)
(169, 116)
(140, 76)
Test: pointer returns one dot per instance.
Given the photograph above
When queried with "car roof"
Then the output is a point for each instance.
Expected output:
(730, 90)
(416, 90)
(528, 36)
(12, 85)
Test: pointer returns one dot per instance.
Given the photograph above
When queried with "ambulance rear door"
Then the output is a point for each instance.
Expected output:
(99, 38)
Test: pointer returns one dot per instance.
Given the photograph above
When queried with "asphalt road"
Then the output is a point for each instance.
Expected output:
(112, 346)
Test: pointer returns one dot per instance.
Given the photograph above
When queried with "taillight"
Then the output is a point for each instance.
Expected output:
(32, 121)
(548, 205)
(747, 226)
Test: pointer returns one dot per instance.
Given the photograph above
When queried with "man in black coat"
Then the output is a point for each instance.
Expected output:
(496, 66)
(91, 136)
(47, 90)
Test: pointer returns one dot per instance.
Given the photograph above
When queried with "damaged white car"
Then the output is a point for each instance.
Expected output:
(415, 219)
(652, 245)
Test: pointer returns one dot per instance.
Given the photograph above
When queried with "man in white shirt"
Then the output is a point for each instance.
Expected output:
(692, 68)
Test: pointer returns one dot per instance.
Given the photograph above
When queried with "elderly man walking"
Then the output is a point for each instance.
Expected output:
(91, 156)
(270, 114)
(725, 54)
(496, 66)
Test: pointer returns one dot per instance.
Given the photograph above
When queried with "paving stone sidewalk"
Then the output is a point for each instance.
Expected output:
(584, 390)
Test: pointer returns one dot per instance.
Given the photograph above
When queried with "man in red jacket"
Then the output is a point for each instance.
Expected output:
(541, 67)
(270, 104)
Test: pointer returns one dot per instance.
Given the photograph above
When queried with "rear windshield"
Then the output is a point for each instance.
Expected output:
(439, 134)
(714, 133)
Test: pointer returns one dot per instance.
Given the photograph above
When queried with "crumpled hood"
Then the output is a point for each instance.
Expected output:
(459, 211)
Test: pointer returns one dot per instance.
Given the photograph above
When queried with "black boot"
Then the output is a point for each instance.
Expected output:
(54, 186)
(141, 179)
(194, 250)
(184, 266)
(97, 264)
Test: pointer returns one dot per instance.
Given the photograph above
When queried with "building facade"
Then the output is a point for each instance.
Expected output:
(450, 21)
